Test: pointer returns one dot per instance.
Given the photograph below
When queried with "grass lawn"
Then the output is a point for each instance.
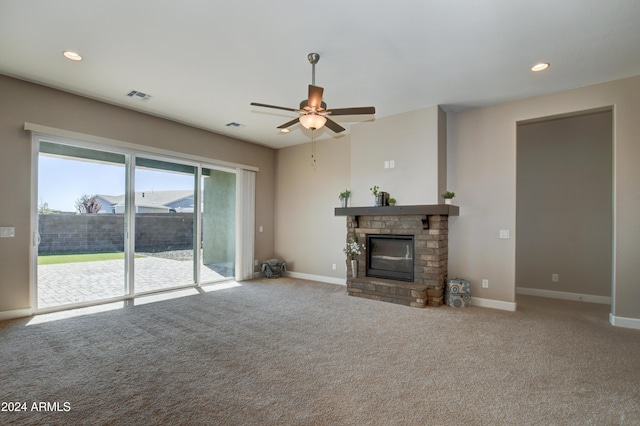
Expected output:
(54, 259)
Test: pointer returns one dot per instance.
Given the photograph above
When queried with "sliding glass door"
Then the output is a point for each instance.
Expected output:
(165, 225)
(81, 251)
(115, 224)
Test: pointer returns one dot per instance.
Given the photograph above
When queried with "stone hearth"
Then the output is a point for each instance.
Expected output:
(429, 225)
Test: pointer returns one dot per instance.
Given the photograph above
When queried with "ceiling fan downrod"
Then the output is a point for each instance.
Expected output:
(313, 60)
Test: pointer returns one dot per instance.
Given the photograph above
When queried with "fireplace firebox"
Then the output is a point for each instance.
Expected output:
(390, 257)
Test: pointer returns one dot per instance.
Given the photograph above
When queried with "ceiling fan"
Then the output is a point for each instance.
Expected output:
(313, 111)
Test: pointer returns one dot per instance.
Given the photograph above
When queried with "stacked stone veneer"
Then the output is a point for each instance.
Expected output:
(431, 236)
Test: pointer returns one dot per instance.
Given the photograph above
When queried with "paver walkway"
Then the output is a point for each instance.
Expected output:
(67, 283)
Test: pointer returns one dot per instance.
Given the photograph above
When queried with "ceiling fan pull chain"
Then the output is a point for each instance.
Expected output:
(313, 150)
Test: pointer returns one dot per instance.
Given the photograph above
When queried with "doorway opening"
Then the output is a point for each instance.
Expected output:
(564, 207)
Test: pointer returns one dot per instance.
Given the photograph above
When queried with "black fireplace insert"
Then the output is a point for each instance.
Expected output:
(390, 256)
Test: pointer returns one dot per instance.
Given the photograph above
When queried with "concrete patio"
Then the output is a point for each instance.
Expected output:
(69, 283)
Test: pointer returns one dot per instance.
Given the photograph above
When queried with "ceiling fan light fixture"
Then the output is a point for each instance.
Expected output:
(312, 121)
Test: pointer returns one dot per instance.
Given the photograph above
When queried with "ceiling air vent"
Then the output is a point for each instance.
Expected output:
(134, 94)
(234, 124)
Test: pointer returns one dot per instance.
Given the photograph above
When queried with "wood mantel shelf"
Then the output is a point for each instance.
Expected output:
(423, 210)
(427, 209)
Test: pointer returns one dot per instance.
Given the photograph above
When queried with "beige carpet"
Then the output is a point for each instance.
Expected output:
(292, 352)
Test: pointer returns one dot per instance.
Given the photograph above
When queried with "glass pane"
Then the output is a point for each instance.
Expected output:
(218, 225)
(164, 225)
(81, 253)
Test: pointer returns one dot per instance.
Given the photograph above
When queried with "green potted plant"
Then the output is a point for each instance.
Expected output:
(344, 197)
(448, 197)
(392, 201)
(374, 191)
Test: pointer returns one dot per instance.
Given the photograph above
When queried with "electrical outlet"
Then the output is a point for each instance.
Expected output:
(255, 262)
(505, 234)
(485, 283)
(555, 278)
(7, 232)
(334, 267)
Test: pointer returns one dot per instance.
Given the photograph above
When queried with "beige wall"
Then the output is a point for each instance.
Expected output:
(481, 169)
(22, 102)
(564, 204)
(481, 161)
(308, 235)
(412, 141)
(442, 156)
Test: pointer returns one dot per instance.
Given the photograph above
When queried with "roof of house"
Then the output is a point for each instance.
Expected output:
(151, 198)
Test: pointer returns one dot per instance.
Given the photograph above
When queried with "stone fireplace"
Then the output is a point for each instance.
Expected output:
(402, 235)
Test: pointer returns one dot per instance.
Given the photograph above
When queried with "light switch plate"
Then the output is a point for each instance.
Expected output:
(7, 232)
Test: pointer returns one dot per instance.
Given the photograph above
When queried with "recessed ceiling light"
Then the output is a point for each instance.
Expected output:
(72, 55)
(284, 130)
(540, 67)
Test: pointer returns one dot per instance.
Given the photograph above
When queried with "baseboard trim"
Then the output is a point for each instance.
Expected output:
(475, 301)
(493, 304)
(624, 322)
(16, 313)
(320, 278)
(550, 294)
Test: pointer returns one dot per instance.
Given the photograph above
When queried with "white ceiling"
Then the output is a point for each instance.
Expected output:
(204, 61)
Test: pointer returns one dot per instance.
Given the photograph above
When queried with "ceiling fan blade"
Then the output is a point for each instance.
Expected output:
(289, 123)
(353, 111)
(273, 106)
(315, 97)
(334, 126)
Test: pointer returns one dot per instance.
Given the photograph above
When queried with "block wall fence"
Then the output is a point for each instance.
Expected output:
(99, 233)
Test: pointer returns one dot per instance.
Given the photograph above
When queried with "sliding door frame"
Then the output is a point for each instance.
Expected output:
(131, 153)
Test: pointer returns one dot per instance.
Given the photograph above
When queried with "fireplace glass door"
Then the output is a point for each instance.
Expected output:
(390, 256)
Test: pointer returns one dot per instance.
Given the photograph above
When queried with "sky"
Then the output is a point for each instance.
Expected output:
(62, 181)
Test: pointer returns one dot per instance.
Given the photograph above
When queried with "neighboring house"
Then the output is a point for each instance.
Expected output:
(180, 201)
